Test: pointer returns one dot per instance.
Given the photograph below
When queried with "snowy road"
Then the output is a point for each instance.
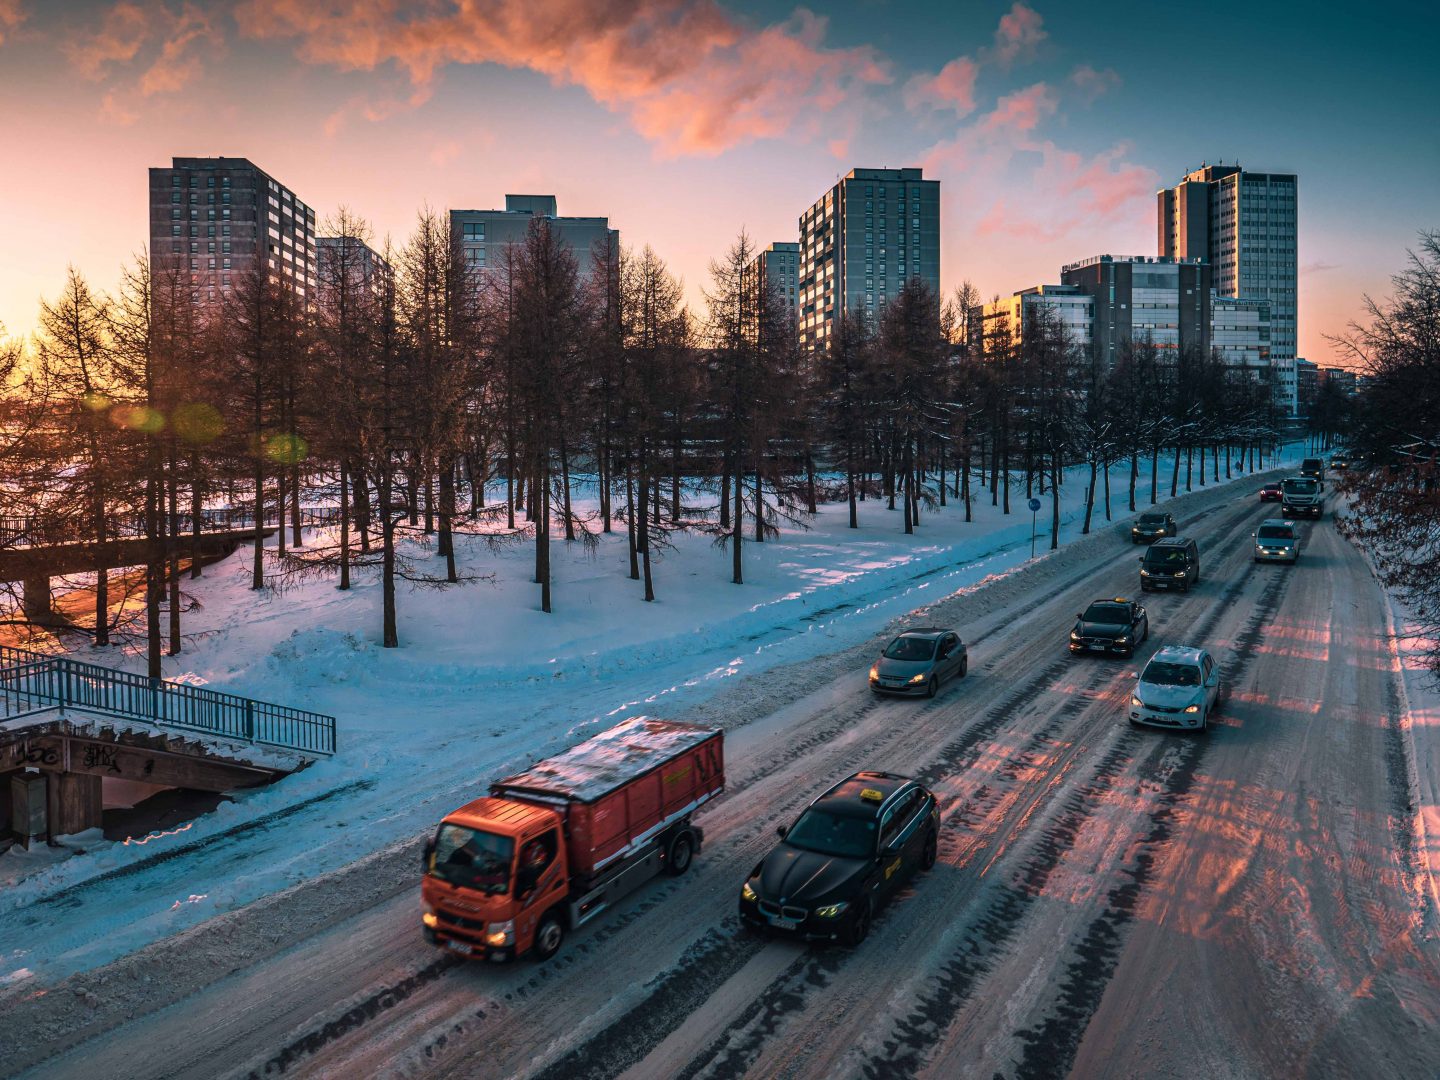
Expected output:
(1108, 902)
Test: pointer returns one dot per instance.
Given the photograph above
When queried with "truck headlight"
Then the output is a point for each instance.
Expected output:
(917, 678)
(500, 933)
(1192, 708)
(831, 910)
(748, 894)
(429, 918)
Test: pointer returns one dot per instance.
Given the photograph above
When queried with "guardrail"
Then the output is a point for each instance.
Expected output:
(30, 680)
(29, 531)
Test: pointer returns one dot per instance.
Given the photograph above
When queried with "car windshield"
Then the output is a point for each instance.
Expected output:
(1276, 532)
(1165, 556)
(910, 648)
(1152, 519)
(477, 860)
(1163, 673)
(833, 834)
(1302, 486)
(1106, 613)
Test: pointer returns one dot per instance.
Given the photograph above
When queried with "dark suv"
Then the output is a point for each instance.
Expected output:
(1152, 525)
(1173, 563)
(1313, 466)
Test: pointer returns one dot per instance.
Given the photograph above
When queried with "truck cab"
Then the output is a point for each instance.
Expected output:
(492, 871)
(1302, 496)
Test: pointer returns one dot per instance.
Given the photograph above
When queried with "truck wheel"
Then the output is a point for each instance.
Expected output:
(548, 937)
(682, 850)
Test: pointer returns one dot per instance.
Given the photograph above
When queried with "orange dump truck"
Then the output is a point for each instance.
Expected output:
(552, 847)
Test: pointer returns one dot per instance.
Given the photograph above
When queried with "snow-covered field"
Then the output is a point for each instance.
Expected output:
(485, 683)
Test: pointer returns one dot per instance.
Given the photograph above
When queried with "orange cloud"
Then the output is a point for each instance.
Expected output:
(1069, 193)
(11, 16)
(692, 77)
(118, 41)
(1021, 111)
(1021, 30)
(953, 87)
(179, 62)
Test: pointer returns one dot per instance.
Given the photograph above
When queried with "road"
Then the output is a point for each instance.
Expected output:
(1108, 902)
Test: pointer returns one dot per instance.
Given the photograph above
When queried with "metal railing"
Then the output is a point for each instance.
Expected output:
(30, 680)
(28, 531)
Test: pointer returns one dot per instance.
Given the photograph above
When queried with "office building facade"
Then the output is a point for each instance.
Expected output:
(1138, 296)
(485, 234)
(1240, 334)
(1006, 319)
(214, 220)
(1245, 225)
(860, 242)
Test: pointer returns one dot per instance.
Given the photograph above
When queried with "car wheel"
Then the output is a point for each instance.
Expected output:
(964, 667)
(933, 686)
(929, 853)
(682, 851)
(548, 937)
(1146, 636)
(859, 926)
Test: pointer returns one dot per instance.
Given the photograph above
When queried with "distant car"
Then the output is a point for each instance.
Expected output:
(1152, 525)
(1340, 460)
(848, 853)
(1179, 688)
(1313, 466)
(917, 661)
(1271, 492)
(1275, 541)
(1113, 627)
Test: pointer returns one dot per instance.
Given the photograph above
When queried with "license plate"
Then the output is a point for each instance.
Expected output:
(783, 924)
(460, 947)
(1096, 648)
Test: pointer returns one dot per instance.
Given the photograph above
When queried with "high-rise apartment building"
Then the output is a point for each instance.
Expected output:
(776, 269)
(484, 234)
(1244, 223)
(1307, 383)
(213, 220)
(350, 258)
(861, 241)
(1136, 296)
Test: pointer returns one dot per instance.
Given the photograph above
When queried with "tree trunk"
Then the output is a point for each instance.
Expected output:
(197, 511)
(344, 526)
(737, 530)
(630, 522)
(174, 559)
(542, 537)
(1089, 499)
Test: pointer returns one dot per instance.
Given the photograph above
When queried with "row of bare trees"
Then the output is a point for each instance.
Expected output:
(418, 396)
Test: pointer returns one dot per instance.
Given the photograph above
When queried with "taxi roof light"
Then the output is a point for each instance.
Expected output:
(871, 794)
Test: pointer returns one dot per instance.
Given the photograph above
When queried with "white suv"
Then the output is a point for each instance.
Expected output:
(1178, 689)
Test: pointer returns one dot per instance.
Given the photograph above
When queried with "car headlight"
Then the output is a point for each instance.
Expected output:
(1179, 573)
(917, 678)
(874, 672)
(1075, 635)
(831, 910)
(1135, 700)
(748, 894)
(1192, 708)
(1144, 572)
(500, 933)
(1123, 639)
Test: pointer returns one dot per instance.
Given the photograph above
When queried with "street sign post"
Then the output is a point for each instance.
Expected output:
(1034, 510)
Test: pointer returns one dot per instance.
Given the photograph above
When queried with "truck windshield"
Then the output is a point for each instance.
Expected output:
(833, 834)
(1302, 486)
(473, 859)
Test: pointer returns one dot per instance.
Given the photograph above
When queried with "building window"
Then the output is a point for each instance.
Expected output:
(194, 230)
(175, 214)
(174, 230)
(473, 230)
(175, 196)
(194, 264)
(174, 179)
(211, 247)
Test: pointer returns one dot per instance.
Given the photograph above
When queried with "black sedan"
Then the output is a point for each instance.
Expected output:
(847, 854)
(1152, 525)
(1113, 627)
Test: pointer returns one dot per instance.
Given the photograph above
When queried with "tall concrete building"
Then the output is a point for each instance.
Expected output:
(1136, 296)
(1240, 334)
(484, 234)
(212, 220)
(777, 269)
(1244, 224)
(352, 258)
(861, 241)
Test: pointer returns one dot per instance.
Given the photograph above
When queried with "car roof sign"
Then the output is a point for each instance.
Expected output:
(872, 795)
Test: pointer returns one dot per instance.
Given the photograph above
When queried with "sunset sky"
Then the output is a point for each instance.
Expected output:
(1049, 126)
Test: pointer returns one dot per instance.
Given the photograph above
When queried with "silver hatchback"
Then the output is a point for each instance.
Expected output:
(915, 662)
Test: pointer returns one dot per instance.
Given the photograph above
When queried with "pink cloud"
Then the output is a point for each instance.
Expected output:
(1021, 111)
(1092, 83)
(118, 40)
(11, 16)
(691, 77)
(179, 60)
(1070, 193)
(953, 87)
(1021, 30)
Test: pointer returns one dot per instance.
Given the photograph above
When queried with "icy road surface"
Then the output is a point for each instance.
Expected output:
(1108, 902)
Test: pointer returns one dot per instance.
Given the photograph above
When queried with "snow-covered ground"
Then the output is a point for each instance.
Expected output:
(485, 683)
